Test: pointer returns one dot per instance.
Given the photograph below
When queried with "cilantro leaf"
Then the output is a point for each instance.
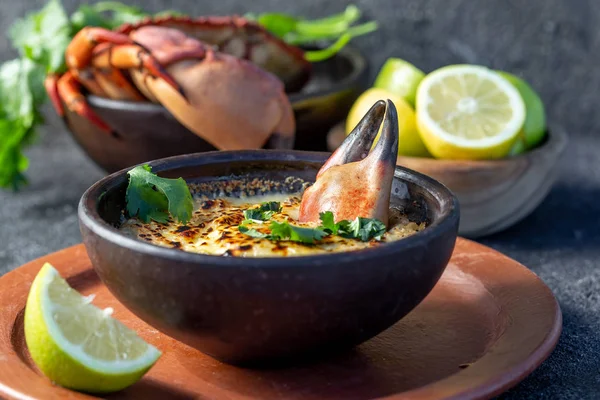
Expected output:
(152, 197)
(264, 212)
(12, 161)
(328, 222)
(364, 229)
(21, 86)
(253, 232)
(43, 36)
(120, 13)
(41, 39)
(86, 15)
(285, 231)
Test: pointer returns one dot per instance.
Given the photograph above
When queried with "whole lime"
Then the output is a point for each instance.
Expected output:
(400, 77)
(534, 128)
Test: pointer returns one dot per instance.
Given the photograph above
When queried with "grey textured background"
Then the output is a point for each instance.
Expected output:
(552, 43)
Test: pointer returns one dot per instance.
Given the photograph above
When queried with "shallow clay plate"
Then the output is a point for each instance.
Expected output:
(487, 324)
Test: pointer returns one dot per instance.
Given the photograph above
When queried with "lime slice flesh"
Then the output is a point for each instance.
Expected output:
(78, 345)
(468, 112)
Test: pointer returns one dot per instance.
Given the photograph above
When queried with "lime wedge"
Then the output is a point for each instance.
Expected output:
(534, 128)
(468, 112)
(78, 345)
(401, 78)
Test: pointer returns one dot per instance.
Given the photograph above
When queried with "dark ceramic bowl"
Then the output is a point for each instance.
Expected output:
(147, 131)
(251, 310)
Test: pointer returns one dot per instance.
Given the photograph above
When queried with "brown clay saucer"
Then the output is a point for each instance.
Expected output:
(487, 324)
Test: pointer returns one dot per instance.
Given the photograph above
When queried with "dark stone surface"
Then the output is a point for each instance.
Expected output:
(551, 43)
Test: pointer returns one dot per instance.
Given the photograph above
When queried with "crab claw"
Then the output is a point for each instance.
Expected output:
(51, 86)
(353, 183)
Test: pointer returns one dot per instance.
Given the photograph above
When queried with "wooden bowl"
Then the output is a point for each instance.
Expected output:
(148, 131)
(246, 310)
(493, 194)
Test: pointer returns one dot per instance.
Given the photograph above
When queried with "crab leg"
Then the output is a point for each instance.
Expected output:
(80, 51)
(124, 53)
(134, 56)
(68, 90)
(116, 85)
(50, 84)
(353, 183)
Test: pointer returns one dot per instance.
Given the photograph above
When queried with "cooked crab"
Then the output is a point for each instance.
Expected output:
(353, 182)
(224, 78)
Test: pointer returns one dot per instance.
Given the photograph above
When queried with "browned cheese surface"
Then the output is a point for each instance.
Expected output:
(213, 229)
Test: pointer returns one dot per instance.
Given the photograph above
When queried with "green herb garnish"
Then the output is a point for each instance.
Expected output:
(253, 232)
(41, 39)
(285, 231)
(152, 197)
(360, 228)
(264, 212)
(300, 31)
(364, 229)
(21, 88)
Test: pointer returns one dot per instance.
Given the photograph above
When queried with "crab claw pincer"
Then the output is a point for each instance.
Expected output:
(353, 182)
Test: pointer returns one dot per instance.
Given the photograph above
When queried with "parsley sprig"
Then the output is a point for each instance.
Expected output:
(285, 231)
(264, 212)
(150, 197)
(360, 228)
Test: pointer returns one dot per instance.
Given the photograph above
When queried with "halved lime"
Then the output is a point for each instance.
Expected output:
(400, 77)
(78, 345)
(468, 112)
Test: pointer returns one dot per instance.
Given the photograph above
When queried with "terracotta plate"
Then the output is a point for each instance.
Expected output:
(486, 325)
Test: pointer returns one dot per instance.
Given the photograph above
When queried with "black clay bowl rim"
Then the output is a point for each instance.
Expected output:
(356, 58)
(89, 216)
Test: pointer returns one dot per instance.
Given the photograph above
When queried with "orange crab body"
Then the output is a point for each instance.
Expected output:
(224, 78)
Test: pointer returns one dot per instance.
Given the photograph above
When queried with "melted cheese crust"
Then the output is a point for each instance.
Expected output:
(213, 229)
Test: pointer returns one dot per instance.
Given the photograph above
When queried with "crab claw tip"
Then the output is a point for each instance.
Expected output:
(353, 182)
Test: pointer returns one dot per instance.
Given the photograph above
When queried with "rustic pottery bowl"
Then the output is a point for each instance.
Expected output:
(253, 310)
(147, 131)
(493, 194)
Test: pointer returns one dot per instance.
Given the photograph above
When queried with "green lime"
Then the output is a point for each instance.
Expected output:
(518, 146)
(400, 77)
(534, 128)
(78, 345)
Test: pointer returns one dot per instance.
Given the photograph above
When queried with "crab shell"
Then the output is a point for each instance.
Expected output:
(353, 182)
(242, 39)
(230, 102)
